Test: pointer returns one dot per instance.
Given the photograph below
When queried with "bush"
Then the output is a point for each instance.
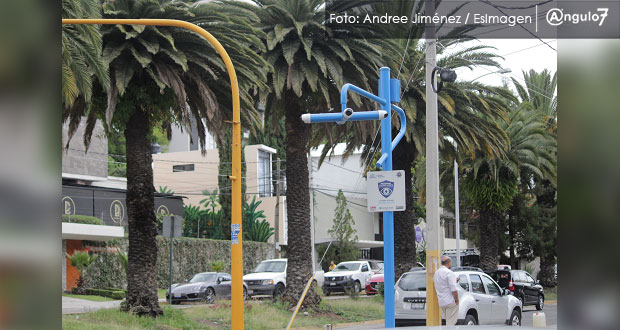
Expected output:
(217, 266)
(110, 293)
(83, 219)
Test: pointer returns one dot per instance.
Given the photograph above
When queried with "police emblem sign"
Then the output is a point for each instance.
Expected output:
(386, 191)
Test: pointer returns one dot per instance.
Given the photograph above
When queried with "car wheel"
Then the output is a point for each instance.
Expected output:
(279, 290)
(245, 293)
(541, 303)
(357, 287)
(470, 320)
(209, 297)
(515, 318)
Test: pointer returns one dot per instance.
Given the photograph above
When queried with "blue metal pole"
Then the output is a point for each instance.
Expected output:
(388, 217)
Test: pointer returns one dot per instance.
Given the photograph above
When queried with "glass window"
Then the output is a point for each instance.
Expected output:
(491, 286)
(528, 278)
(476, 284)
(264, 174)
(347, 266)
(271, 267)
(462, 280)
(203, 278)
(415, 281)
(183, 168)
(516, 277)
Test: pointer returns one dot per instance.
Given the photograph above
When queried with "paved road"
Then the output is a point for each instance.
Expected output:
(74, 305)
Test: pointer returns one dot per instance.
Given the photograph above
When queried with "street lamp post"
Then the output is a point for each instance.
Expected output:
(500, 71)
(389, 91)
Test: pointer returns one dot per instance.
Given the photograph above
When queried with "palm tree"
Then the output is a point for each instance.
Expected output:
(169, 75)
(308, 72)
(539, 92)
(81, 260)
(491, 182)
(81, 59)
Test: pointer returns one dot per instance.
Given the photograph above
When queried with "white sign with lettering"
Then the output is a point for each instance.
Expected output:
(386, 191)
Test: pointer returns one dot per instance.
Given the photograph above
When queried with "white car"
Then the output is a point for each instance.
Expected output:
(348, 275)
(481, 300)
(269, 278)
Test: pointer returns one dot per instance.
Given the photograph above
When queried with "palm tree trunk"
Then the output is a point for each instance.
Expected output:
(142, 271)
(404, 238)
(488, 229)
(299, 249)
(547, 273)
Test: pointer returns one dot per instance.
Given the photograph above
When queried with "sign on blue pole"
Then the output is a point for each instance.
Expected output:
(389, 91)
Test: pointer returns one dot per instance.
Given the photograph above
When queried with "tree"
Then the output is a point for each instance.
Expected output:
(308, 72)
(81, 57)
(170, 76)
(343, 235)
(81, 260)
(491, 182)
(255, 225)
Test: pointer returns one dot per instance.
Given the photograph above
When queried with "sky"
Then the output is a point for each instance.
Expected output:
(519, 55)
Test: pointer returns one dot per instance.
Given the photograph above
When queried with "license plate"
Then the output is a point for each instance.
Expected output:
(417, 305)
(332, 283)
(176, 295)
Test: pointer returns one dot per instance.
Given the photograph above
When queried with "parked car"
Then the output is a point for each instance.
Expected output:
(269, 278)
(418, 266)
(373, 282)
(481, 300)
(469, 257)
(204, 287)
(523, 285)
(348, 275)
(375, 265)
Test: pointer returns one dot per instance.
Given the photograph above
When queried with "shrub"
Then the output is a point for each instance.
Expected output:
(110, 293)
(217, 266)
(81, 260)
(83, 219)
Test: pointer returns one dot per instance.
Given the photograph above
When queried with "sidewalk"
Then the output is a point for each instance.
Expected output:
(75, 305)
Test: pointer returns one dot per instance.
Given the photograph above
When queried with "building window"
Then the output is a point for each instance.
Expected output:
(183, 168)
(264, 174)
(450, 228)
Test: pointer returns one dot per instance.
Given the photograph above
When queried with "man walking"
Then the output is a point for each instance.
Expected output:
(447, 296)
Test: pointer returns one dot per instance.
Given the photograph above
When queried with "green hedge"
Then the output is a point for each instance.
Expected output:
(114, 294)
(84, 219)
(191, 256)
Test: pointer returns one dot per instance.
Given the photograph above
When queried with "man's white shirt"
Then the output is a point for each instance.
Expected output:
(445, 284)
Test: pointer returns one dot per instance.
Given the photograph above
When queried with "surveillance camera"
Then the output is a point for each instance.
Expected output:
(348, 112)
(447, 75)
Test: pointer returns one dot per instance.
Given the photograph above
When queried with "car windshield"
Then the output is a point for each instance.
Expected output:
(347, 266)
(271, 267)
(380, 271)
(415, 281)
(203, 278)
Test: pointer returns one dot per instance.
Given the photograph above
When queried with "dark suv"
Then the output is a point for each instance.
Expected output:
(522, 284)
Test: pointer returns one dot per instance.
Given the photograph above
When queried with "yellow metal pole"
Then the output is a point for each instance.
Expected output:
(301, 300)
(433, 313)
(236, 249)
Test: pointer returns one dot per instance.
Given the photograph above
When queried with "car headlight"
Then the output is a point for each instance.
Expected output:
(350, 277)
(267, 282)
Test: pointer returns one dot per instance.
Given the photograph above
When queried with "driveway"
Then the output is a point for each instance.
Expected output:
(75, 306)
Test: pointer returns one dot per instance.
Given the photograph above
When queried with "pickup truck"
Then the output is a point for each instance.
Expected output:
(269, 278)
(346, 276)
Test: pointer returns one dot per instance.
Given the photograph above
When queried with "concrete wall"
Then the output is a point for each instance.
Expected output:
(75, 161)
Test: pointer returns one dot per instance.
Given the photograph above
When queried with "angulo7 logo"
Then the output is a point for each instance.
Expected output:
(557, 16)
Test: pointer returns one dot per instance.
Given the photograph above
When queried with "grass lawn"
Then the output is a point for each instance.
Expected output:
(87, 297)
(161, 293)
(258, 315)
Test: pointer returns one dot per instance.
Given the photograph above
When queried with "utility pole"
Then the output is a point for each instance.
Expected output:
(456, 213)
(433, 314)
(276, 224)
(310, 184)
